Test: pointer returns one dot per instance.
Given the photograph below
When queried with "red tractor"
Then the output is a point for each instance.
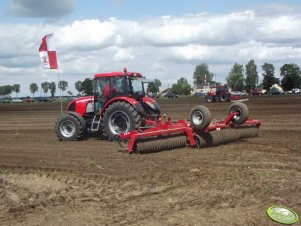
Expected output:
(220, 95)
(119, 104)
(120, 109)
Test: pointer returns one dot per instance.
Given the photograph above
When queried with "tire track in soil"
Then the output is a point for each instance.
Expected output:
(20, 194)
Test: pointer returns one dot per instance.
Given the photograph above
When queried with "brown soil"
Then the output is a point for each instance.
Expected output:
(44, 181)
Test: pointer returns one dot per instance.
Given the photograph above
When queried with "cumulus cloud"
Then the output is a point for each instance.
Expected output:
(40, 8)
(164, 47)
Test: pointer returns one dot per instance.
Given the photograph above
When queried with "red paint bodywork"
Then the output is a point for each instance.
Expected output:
(82, 102)
(117, 74)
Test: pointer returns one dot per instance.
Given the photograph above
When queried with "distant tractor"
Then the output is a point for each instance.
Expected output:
(119, 104)
(221, 94)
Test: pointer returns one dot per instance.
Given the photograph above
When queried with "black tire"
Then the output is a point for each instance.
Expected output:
(242, 110)
(224, 97)
(69, 127)
(120, 117)
(209, 99)
(200, 117)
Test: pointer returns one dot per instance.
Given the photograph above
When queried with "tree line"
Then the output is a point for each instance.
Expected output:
(239, 78)
(246, 78)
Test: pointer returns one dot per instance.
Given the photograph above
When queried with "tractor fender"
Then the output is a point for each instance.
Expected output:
(129, 100)
(80, 118)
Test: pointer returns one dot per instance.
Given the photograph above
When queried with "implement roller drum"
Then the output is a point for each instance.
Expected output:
(246, 132)
(224, 136)
(160, 143)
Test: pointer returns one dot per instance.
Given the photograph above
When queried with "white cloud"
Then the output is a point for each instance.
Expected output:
(164, 47)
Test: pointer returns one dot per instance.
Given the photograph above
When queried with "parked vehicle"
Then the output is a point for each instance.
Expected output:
(44, 99)
(28, 100)
(254, 92)
(199, 94)
(276, 92)
(170, 95)
(4, 100)
(236, 93)
(294, 91)
(16, 100)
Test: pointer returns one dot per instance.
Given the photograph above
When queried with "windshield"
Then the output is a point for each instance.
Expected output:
(137, 84)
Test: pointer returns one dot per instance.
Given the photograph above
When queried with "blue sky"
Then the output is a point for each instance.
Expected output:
(161, 39)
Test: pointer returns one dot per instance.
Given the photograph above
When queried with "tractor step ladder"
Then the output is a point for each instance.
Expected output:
(95, 123)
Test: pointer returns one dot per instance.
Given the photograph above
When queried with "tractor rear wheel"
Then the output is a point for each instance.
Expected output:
(224, 97)
(120, 117)
(69, 127)
(200, 117)
(242, 112)
(209, 98)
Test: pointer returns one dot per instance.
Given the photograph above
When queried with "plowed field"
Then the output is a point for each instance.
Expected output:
(44, 181)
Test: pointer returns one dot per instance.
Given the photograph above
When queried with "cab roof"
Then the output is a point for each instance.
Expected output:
(117, 74)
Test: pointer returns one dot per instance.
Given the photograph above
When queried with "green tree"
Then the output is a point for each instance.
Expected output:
(268, 76)
(33, 88)
(78, 86)
(87, 87)
(45, 87)
(291, 76)
(251, 75)
(202, 75)
(181, 87)
(63, 85)
(69, 93)
(153, 87)
(16, 89)
(5, 90)
(52, 87)
(235, 79)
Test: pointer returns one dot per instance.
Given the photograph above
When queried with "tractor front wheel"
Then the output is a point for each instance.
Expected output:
(120, 117)
(69, 127)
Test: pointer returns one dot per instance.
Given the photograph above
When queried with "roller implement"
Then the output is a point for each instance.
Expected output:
(198, 132)
(120, 110)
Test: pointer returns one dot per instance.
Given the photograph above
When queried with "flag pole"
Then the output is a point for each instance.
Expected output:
(59, 86)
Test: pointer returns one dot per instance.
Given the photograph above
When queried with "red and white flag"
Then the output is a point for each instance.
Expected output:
(48, 53)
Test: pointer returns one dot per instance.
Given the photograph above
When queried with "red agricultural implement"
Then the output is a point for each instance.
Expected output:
(120, 110)
(198, 132)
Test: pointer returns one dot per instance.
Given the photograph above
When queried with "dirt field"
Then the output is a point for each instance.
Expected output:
(47, 182)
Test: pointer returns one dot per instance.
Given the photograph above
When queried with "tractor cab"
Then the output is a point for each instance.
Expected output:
(115, 85)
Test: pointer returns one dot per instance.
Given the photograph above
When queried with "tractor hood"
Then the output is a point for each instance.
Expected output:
(79, 104)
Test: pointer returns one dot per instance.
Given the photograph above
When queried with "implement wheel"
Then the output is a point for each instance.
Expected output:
(200, 117)
(242, 112)
(120, 117)
(69, 127)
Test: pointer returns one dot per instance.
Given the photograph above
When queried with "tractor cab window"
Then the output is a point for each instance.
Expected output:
(137, 85)
(102, 87)
(120, 85)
